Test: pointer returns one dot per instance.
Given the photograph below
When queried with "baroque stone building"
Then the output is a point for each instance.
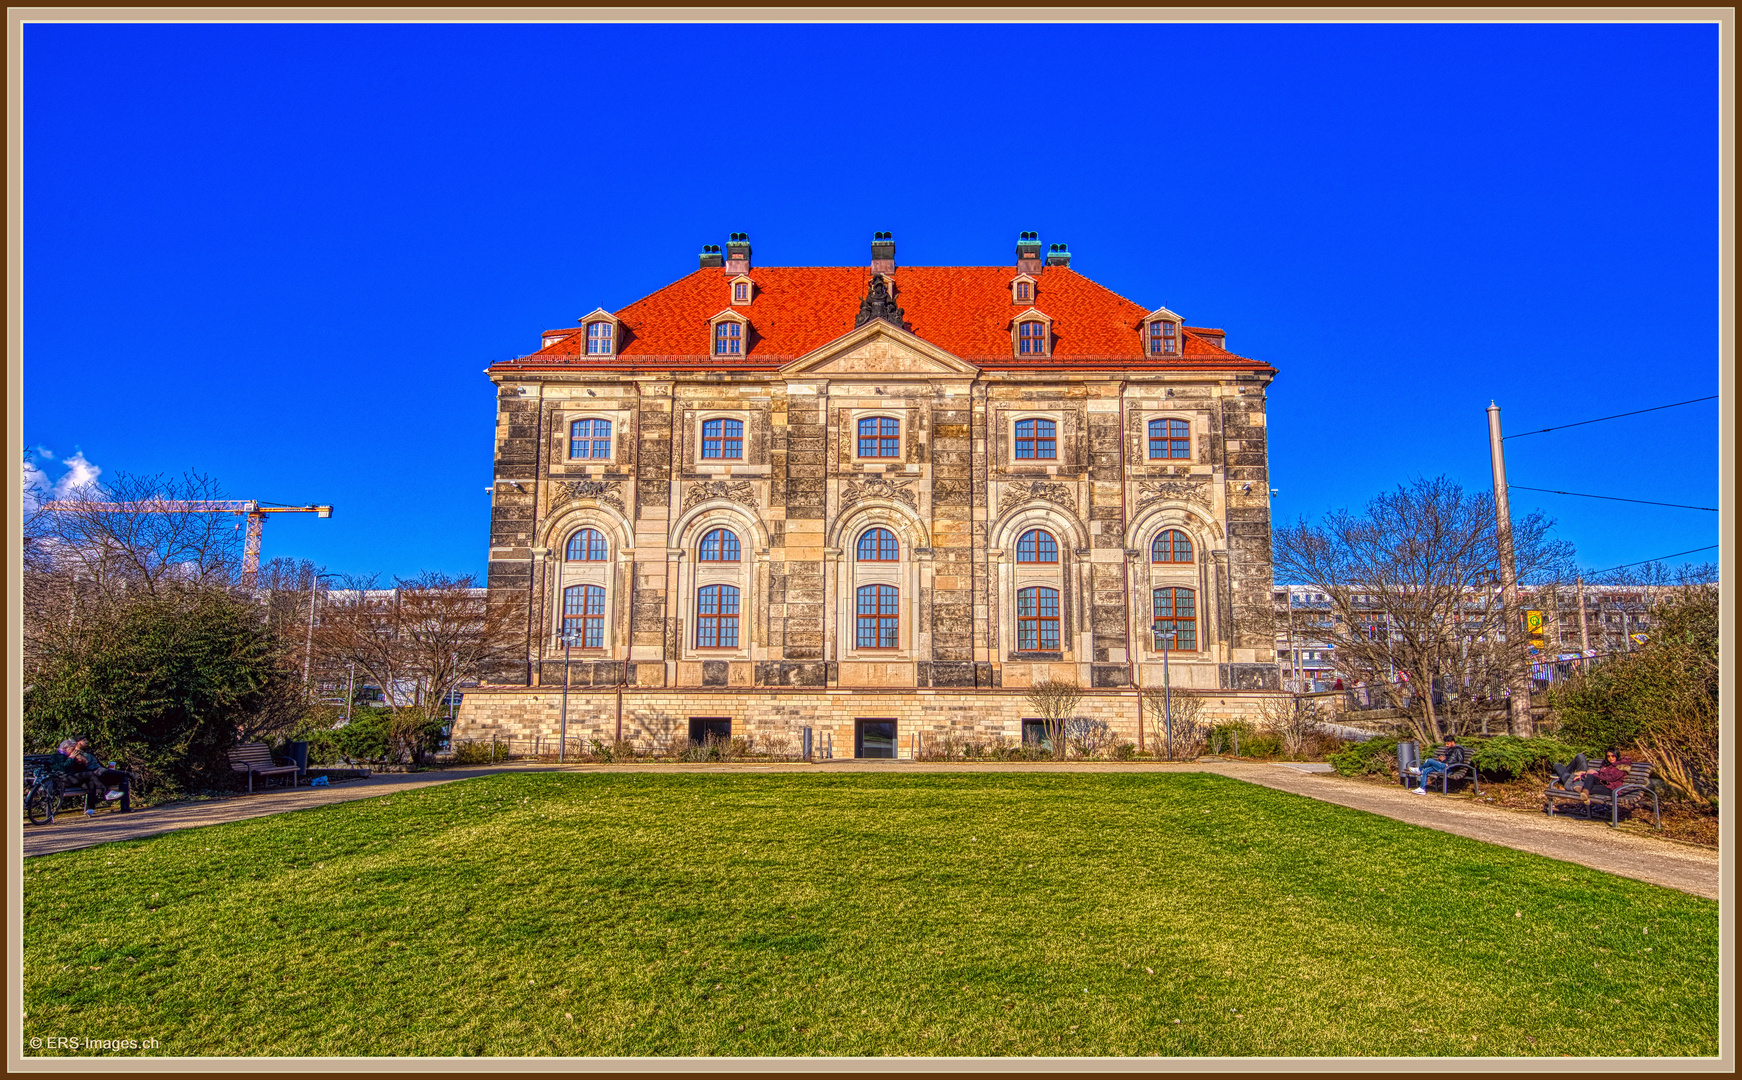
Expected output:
(771, 497)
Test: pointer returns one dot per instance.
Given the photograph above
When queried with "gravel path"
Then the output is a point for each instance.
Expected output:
(1662, 862)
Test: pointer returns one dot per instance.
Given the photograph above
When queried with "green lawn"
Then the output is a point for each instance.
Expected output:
(850, 914)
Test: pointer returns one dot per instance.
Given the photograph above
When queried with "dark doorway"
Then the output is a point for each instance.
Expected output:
(720, 727)
(874, 739)
(1034, 731)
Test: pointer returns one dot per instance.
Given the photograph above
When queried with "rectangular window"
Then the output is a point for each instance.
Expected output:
(584, 616)
(879, 437)
(728, 337)
(1176, 621)
(1036, 440)
(741, 291)
(1022, 290)
(1167, 338)
(1034, 734)
(590, 439)
(599, 339)
(1037, 619)
(723, 439)
(717, 617)
(1155, 338)
(1169, 440)
(1032, 339)
(878, 617)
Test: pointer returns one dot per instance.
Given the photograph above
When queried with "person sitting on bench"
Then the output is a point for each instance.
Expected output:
(1603, 780)
(1445, 759)
(80, 769)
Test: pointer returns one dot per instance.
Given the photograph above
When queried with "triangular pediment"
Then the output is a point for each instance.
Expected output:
(879, 348)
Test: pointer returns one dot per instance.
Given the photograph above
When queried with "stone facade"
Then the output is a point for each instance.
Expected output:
(958, 487)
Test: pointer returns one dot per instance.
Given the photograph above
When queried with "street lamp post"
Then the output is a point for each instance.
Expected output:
(1166, 688)
(562, 745)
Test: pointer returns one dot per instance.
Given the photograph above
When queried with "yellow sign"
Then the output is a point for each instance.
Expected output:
(1533, 623)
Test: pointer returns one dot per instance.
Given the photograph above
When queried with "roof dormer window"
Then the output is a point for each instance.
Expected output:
(601, 334)
(1163, 334)
(728, 335)
(742, 290)
(1022, 289)
(1031, 335)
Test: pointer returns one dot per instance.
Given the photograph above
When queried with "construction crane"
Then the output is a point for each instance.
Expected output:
(254, 511)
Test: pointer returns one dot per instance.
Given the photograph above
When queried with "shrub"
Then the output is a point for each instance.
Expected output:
(1375, 757)
(473, 753)
(1227, 737)
(1261, 744)
(1505, 757)
(1125, 751)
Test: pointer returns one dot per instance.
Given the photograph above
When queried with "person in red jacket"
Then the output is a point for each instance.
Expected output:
(1604, 779)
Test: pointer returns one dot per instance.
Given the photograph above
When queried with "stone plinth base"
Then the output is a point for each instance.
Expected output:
(659, 718)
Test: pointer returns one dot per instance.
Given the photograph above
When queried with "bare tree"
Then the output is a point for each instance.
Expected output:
(1292, 719)
(102, 534)
(1056, 701)
(1413, 590)
(1188, 729)
(419, 640)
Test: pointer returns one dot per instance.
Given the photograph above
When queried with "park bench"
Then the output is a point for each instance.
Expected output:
(1629, 794)
(255, 759)
(36, 766)
(1409, 769)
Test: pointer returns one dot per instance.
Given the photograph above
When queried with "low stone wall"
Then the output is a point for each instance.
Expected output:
(659, 718)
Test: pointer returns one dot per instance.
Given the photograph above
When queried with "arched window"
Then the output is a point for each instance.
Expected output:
(740, 292)
(584, 616)
(717, 617)
(1037, 546)
(1176, 620)
(1023, 294)
(719, 545)
(1036, 439)
(1031, 338)
(879, 437)
(1169, 439)
(590, 438)
(598, 339)
(878, 545)
(1037, 618)
(877, 617)
(723, 439)
(1172, 546)
(728, 339)
(587, 545)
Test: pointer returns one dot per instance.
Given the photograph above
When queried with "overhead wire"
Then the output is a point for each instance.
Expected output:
(1642, 562)
(1617, 416)
(1611, 498)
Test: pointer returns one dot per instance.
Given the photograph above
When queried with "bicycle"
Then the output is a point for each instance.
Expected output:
(42, 797)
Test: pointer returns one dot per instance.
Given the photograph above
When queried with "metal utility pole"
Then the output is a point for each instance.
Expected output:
(1584, 635)
(1520, 680)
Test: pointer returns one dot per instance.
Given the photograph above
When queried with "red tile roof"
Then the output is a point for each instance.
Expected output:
(964, 310)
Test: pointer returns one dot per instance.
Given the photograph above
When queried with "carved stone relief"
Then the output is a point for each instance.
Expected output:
(878, 487)
(1149, 491)
(1043, 490)
(609, 492)
(739, 491)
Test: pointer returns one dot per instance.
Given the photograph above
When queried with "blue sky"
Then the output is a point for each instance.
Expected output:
(284, 255)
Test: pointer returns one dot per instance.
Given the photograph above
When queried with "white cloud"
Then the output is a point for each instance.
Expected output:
(80, 473)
